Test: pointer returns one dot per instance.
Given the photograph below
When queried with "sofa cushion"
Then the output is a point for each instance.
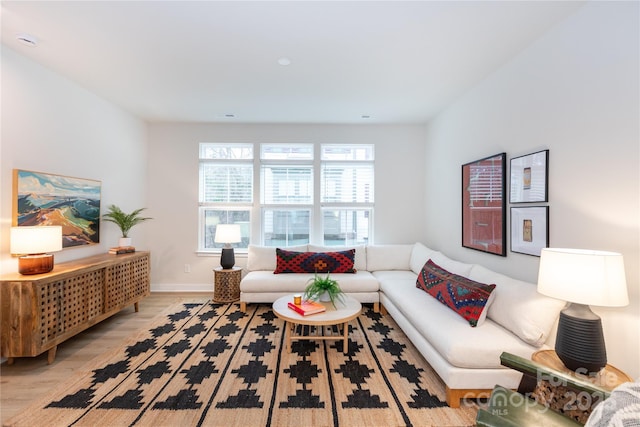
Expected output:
(456, 267)
(392, 275)
(264, 257)
(519, 307)
(360, 260)
(314, 262)
(264, 282)
(419, 256)
(388, 257)
(466, 297)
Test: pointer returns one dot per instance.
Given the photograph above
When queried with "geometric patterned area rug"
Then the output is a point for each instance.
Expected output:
(207, 364)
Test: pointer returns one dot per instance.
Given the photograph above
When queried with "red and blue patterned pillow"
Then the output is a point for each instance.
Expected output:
(314, 262)
(466, 297)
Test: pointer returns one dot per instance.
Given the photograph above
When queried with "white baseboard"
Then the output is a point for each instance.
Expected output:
(182, 287)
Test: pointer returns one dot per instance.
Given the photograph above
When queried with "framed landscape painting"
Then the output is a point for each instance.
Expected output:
(47, 199)
(484, 205)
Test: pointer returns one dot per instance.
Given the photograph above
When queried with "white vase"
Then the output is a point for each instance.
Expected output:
(324, 297)
(124, 241)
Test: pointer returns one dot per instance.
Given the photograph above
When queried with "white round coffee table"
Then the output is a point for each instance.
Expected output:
(341, 314)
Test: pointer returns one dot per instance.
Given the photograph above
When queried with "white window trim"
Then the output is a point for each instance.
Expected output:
(256, 208)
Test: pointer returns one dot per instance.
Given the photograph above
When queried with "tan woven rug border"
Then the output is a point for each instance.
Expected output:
(212, 365)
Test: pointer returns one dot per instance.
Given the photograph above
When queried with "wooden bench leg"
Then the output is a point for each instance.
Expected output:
(51, 354)
(135, 306)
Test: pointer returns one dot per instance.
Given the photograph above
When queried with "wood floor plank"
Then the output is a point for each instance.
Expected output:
(30, 378)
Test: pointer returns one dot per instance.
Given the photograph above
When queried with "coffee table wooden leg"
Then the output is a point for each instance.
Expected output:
(290, 333)
(345, 344)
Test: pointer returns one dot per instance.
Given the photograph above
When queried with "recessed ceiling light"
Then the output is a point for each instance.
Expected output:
(365, 116)
(284, 61)
(27, 39)
(229, 116)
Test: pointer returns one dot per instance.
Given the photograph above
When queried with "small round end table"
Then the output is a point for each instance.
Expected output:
(226, 287)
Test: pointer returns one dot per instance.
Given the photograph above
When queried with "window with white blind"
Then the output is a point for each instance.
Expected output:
(346, 193)
(307, 193)
(226, 191)
(286, 193)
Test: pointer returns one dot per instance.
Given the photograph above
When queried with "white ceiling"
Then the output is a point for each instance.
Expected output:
(198, 61)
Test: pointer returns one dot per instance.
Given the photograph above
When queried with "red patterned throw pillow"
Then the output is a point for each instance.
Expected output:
(314, 262)
(466, 297)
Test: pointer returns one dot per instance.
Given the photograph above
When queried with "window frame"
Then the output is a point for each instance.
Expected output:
(308, 155)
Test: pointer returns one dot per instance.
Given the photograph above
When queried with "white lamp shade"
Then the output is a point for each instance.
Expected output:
(36, 239)
(583, 276)
(228, 233)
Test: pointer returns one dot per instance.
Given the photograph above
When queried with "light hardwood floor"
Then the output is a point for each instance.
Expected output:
(30, 378)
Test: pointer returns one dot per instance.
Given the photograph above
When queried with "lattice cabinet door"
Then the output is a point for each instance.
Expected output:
(64, 305)
(125, 281)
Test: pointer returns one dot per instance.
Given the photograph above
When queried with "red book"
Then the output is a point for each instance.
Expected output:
(307, 307)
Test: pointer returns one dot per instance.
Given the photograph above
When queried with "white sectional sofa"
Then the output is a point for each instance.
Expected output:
(261, 285)
(467, 359)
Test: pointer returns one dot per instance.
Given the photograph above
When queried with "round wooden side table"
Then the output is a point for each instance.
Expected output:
(226, 284)
(575, 405)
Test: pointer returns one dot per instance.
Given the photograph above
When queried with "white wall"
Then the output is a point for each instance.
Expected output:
(173, 187)
(574, 91)
(50, 124)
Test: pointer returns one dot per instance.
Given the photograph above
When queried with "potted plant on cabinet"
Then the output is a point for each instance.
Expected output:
(124, 221)
(323, 289)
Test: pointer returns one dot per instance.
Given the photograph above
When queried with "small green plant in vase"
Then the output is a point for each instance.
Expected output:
(123, 220)
(323, 289)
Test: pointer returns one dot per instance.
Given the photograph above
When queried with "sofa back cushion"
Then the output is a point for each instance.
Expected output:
(455, 267)
(420, 254)
(314, 262)
(360, 260)
(468, 298)
(519, 308)
(264, 257)
(388, 257)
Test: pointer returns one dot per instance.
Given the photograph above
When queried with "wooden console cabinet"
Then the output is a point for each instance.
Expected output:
(41, 311)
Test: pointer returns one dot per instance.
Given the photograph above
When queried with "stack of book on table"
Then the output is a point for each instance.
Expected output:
(122, 250)
(307, 307)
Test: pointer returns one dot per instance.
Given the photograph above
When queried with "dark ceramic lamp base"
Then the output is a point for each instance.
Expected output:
(580, 342)
(227, 259)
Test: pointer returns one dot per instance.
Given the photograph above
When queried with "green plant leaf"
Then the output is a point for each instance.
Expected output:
(319, 285)
(123, 220)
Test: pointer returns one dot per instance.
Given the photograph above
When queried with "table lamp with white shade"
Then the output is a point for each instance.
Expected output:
(227, 234)
(32, 244)
(582, 278)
